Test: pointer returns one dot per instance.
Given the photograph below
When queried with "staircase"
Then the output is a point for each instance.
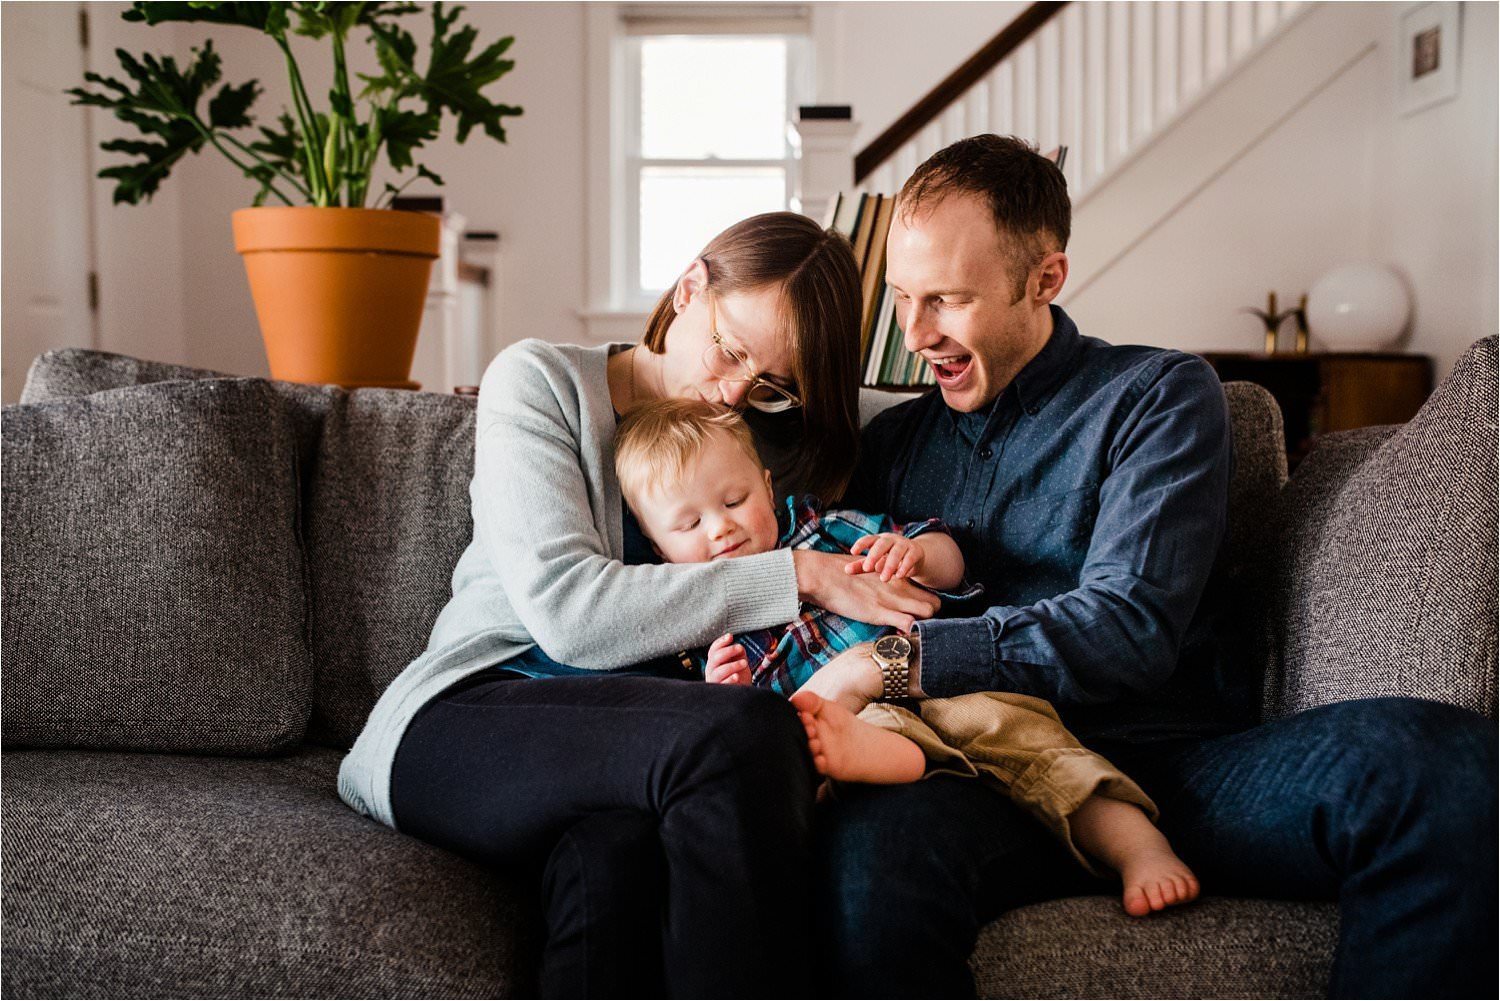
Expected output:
(1102, 79)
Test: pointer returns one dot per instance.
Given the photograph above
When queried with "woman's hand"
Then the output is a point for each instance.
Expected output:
(821, 581)
(727, 664)
(892, 556)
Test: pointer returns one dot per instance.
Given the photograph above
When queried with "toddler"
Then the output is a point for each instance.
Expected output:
(690, 473)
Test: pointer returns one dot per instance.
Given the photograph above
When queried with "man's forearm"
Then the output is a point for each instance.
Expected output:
(1082, 648)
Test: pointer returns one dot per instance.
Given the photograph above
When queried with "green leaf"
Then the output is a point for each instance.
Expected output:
(230, 108)
(271, 18)
(404, 131)
(321, 18)
(162, 101)
(454, 83)
(424, 172)
(396, 50)
(281, 146)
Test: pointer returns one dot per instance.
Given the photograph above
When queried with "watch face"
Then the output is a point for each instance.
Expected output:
(893, 647)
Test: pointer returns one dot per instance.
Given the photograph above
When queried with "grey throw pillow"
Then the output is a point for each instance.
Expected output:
(153, 584)
(69, 372)
(1384, 581)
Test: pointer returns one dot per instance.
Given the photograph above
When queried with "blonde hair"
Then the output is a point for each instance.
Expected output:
(657, 441)
(821, 308)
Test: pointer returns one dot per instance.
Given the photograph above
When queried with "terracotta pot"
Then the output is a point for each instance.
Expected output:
(339, 292)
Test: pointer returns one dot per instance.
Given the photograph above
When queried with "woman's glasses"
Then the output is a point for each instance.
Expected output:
(724, 362)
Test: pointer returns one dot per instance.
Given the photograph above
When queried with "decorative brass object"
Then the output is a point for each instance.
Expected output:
(1301, 315)
(1273, 321)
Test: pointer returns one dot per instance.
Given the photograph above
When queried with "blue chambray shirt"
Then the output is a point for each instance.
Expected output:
(1090, 505)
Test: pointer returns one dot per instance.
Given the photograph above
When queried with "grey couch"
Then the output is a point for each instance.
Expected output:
(207, 581)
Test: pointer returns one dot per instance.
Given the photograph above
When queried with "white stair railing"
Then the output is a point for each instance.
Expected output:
(1103, 79)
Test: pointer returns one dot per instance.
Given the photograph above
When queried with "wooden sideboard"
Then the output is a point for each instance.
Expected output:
(1332, 391)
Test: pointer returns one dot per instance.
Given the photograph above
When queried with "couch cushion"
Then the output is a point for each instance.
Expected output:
(152, 575)
(1086, 947)
(66, 373)
(134, 875)
(1385, 568)
(1259, 471)
(388, 518)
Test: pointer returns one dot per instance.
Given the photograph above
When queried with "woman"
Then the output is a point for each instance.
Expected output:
(547, 723)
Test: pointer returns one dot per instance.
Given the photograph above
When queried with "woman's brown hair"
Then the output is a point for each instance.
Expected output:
(820, 304)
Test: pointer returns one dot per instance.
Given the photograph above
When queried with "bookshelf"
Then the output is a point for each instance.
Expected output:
(865, 218)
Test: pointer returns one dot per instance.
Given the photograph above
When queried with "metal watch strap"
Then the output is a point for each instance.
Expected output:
(896, 676)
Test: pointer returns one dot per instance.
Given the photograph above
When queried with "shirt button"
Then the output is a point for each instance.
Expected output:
(814, 647)
(969, 524)
(986, 453)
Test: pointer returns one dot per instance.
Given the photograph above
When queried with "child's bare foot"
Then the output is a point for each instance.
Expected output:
(1155, 880)
(1122, 836)
(847, 748)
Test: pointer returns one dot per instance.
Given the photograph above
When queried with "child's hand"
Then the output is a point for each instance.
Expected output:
(726, 663)
(894, 557)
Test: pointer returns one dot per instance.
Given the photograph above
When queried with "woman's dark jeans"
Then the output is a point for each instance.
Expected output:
(671, 823)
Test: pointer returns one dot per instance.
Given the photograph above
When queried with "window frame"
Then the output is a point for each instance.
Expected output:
(615, 305)
(798, 52)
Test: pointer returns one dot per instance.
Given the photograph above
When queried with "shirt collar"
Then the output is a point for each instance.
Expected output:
(1036, 383)
(1040, 378)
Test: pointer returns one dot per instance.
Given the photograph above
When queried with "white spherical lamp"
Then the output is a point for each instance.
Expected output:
(1358, 307)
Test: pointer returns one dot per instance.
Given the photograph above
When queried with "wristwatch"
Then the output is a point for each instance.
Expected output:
(894, 654)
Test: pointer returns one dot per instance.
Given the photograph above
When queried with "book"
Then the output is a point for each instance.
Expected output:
(846, 213)
(832, 212)
(864, 229)
(873, 272)
(875, 350)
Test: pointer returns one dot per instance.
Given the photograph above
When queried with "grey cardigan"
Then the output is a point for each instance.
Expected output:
(544, 567)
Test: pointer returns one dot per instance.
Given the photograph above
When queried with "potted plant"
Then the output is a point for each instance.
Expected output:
(339, 287)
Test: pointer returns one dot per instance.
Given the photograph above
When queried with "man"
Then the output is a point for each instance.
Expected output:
(1087, 486)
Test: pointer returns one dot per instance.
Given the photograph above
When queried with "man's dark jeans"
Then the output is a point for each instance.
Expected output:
(1387, 805)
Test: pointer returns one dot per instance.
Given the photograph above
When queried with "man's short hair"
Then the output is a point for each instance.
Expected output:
(1026, 192)
(657, 441)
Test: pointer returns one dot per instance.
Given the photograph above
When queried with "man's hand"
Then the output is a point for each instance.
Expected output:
(727, 664)
(821, 581)
(851, 679)
(892, 556)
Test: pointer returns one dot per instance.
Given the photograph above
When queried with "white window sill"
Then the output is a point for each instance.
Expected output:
(604, 326)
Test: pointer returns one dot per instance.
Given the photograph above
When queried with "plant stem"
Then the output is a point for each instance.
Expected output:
(312, 142)
(212, 137)
(289, 178)
(341, 82)
(392, 195)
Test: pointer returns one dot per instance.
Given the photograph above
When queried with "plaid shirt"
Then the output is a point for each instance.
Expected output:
(783, 658)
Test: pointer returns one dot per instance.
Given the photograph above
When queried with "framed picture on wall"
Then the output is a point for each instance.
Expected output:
(1427, 55)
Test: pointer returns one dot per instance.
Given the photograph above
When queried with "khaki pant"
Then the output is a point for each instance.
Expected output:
(1018, 742)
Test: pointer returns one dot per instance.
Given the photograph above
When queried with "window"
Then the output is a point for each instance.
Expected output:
(701, 100)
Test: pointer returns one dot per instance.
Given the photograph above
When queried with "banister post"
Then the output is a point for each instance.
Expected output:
(823, 137)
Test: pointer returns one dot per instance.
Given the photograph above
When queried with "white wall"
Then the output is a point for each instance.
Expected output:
(881, 58)
(1437, 197)
(1340, 176)
(1343, 172)
(529, 189)
(187, 300)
